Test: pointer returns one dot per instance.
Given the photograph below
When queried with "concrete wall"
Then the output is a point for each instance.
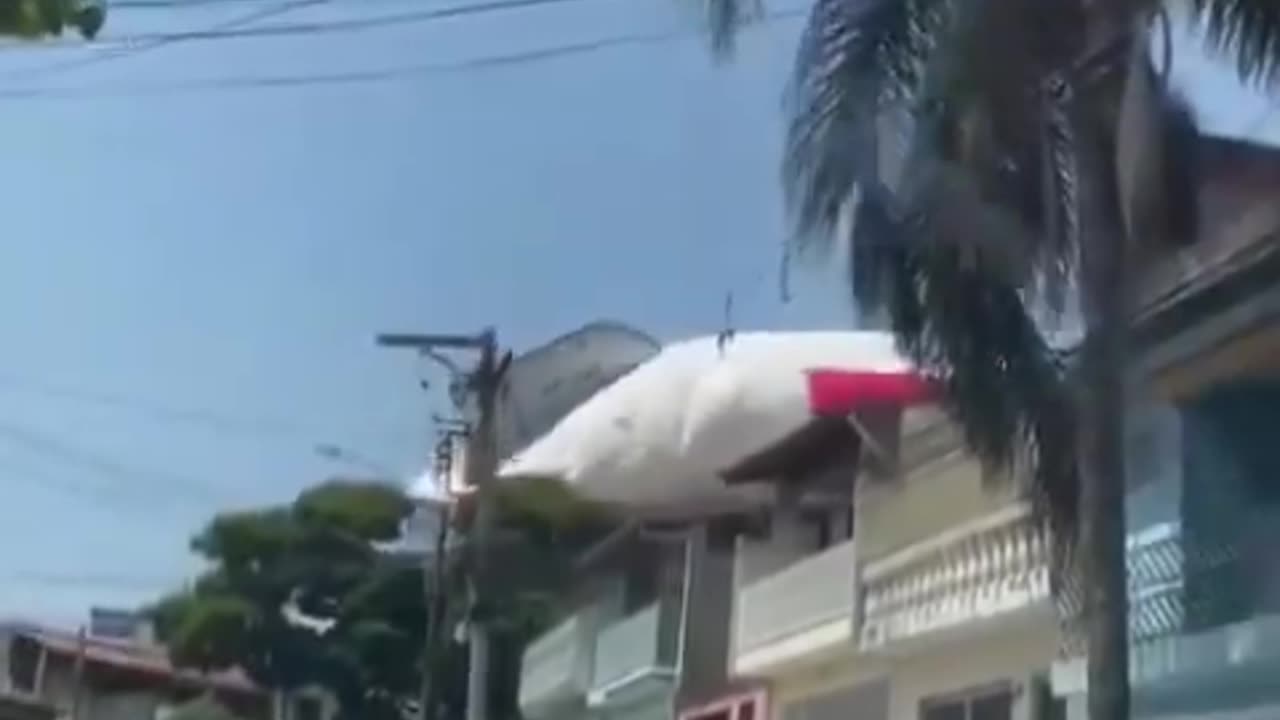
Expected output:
(1014, 654)
(940, 495)
(123, 706)
(789, 540)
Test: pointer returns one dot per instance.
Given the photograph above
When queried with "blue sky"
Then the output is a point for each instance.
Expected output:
(235, 252)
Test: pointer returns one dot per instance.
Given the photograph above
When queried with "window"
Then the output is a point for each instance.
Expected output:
(868, 701)
(24, 664)
(307, 708)
(990, 703)
(831, 526)
(748, 707)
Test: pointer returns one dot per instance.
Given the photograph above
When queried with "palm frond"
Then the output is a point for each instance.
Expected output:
(986, 109)
(1181, 138)
(966, 322)
(1156, 143)
(725, 19)
(1060, 198)
(853, 56)
(1247, 32)
(1138, 158)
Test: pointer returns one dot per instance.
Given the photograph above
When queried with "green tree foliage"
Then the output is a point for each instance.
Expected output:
(204, 707)
(50, 18)
(328, 557)
(320, 558)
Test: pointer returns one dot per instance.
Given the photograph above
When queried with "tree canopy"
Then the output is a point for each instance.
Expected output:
(205, 707)
(51, 18)
(316, 592)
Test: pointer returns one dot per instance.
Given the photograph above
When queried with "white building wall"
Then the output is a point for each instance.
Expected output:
(789, 540)
(1013, 655)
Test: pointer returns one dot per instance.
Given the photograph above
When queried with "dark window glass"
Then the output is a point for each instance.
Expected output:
(306, 708)
(24, 664)
(943, 711)
(998, 706)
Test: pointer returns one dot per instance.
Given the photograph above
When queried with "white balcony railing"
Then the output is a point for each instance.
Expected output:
(557, 666)
(633, 647)
(809, 594)
(991, 567)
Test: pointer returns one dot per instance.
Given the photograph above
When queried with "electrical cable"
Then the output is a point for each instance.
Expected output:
(50, 445)
(203, 4)
(212, 420)
(235, 29)
(118, 581)
(359, 77)
(138, 45)
(347, 25)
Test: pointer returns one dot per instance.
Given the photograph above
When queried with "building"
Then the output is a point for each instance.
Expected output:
(625, 649)
(924, 591)
(118, 675)
(935, 603)
(1204, 507)
(20, 707)
(929, 598)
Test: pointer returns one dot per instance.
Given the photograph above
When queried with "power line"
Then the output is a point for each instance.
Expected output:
(138, 45)
(201, 4)
(129, 477)
(172, 4)
(235, 28)
(347, 25)
(214, 420)
(118, 581)
(53, 481)
(360, 77)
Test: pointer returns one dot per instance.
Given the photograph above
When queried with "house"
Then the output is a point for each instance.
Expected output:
(623, 649)
(928, 598)
(104, 674)
(901, 584)
(1203, 509)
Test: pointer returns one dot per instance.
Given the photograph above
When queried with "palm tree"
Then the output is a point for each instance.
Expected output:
(1044, 154)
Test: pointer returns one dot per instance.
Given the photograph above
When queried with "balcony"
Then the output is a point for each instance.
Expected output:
(556, 669)
(797, 614)
(637, 656)
(958, 582)
(1204, 619)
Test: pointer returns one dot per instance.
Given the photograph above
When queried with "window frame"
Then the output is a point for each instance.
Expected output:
(966, 698)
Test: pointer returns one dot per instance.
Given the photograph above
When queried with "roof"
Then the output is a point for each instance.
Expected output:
(1239, 228)
(145, 658)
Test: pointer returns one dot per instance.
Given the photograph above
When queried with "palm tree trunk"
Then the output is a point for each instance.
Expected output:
(1104, 299)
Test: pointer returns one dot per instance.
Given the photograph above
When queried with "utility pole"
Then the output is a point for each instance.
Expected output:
(77, 676)
(480, 384)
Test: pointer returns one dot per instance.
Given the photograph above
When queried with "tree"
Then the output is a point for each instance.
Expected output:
(1045, 155)
(305, 594)
(313, 593)
(205, 707)
(45, 18)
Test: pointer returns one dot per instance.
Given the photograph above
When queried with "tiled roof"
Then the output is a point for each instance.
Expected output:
(147, 658)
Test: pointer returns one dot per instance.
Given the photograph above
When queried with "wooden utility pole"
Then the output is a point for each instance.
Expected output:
(476, 394)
